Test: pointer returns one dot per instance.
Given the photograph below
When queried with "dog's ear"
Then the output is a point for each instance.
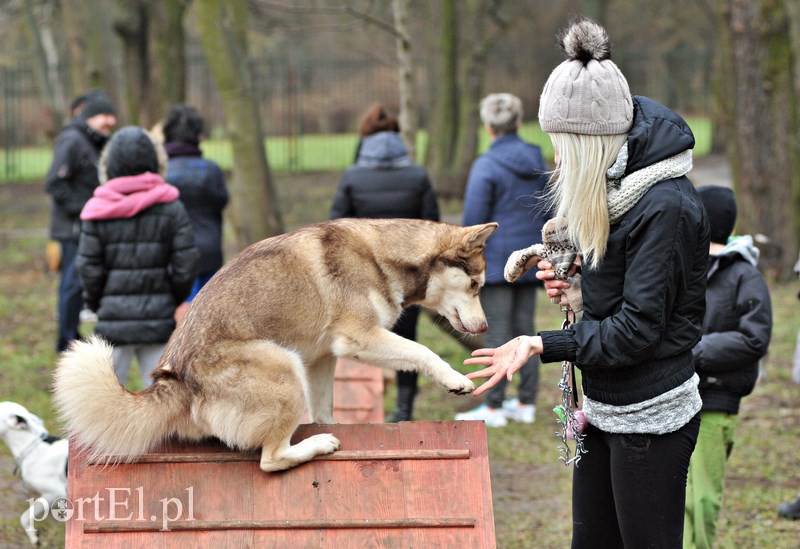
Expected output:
(17, 422)
(476, 235)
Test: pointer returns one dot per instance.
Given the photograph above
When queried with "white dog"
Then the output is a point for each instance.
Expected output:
(41, 460)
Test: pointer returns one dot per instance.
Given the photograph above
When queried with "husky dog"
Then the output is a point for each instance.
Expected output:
(259, 344)
(41, 460)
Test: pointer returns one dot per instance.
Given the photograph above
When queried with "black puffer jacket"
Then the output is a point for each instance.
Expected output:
(72, 177)
(135, 271)
(736, 329)
(644, 304)
(384, 183)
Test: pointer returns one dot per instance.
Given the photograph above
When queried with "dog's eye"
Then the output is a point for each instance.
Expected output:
(474, 286)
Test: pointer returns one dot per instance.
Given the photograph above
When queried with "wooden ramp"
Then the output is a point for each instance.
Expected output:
(410, 484)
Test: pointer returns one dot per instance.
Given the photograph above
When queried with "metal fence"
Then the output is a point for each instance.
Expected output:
(309, 109)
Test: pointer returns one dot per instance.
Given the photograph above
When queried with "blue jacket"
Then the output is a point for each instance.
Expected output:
(506, 185)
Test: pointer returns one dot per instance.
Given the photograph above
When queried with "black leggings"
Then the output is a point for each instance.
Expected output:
(630, 490)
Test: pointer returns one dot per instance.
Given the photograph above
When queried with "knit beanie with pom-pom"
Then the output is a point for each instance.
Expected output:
(586, 94)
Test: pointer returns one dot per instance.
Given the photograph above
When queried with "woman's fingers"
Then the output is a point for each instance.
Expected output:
(488, 384)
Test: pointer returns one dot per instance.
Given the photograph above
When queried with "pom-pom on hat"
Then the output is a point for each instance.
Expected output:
(586, 94)
(131, 151)
(721, 209)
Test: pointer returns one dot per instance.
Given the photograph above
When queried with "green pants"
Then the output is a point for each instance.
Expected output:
(706, 477)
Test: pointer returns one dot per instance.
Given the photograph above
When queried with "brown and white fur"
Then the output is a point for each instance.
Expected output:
(259, 343)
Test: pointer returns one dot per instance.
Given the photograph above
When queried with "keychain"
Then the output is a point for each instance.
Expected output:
(573, 421)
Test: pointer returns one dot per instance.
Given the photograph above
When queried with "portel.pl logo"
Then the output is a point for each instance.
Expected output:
(123, 504)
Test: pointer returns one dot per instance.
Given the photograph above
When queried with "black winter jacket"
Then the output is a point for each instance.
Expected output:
(72, 177)
(644, 303)
(385, 192)
(736, 329)
(204, 194)
(135, 271)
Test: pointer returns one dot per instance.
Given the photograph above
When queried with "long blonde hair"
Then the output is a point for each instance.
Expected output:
(578, 189)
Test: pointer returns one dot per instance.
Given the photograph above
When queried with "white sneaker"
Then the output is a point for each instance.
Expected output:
(493, 417)
(521, 413)
(88, 316)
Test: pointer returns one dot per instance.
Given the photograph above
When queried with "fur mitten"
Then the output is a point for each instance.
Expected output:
(558, 250)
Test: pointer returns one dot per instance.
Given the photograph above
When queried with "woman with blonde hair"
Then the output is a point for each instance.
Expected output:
(642, 236)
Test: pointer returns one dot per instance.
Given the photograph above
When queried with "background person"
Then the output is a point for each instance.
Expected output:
(137, 259)
(70, 181)
(507, 184)
(385, 183)
(736, 334)
(641, 230)
(202, 189)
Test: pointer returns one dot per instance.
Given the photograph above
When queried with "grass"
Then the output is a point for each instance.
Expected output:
(530, 487)
(307, 153)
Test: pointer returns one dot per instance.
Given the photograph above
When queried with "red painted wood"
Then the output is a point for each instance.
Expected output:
(357, 393)
(413, 484)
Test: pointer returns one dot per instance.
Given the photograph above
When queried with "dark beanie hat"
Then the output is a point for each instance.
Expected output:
(721, 208)
(130, 152)
(96, 102)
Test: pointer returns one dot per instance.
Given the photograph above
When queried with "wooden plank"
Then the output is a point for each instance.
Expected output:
(178, 525)
(421, 484)
(342, 455)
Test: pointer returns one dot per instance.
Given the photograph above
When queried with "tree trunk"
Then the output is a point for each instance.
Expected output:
(454, 133)
(408, 115)
(167, 54)
(45, 68)
(444, 126)
(761, 148)
(793, 16)
(132, 29)
(469, 124)
(255, 213)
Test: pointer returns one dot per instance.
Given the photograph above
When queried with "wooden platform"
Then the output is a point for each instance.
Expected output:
(411, 484)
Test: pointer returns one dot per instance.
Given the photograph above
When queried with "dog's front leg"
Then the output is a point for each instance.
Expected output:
(380, 347)
(38, 508)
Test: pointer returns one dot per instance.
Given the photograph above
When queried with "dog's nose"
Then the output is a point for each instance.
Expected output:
(482, 327)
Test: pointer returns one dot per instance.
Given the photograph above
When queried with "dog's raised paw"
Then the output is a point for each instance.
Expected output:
(462, 386)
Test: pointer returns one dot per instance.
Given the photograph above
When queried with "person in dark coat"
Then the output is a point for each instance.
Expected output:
(736, 332)
(642, 237)
(507, 185)
(385, 183)
(136, 258)
(70, 181)
(202, 187)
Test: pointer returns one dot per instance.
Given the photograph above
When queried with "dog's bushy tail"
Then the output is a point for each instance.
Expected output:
(111, 423)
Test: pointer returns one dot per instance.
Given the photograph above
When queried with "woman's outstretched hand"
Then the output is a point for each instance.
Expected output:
(503, 361)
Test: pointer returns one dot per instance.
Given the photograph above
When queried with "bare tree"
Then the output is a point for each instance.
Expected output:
(47, 60)
(407, 89)
(153, 49)
(463, 48)
(255, 212)
(763, 143)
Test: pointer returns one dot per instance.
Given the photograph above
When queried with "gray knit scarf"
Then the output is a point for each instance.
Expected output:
(625, 192)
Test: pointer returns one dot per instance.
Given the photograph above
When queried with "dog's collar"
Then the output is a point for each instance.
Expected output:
(23, 455)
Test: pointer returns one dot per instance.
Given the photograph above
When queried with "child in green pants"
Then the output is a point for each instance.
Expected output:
(736, 331)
